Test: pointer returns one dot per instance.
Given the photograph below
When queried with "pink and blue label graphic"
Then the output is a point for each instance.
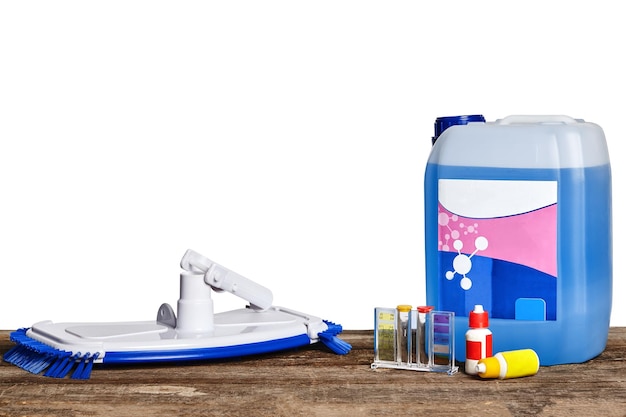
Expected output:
(497, 247)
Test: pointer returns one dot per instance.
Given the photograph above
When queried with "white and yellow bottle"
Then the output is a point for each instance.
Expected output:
(511, 364)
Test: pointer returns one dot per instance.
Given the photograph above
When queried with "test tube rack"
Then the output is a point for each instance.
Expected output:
(416, 340)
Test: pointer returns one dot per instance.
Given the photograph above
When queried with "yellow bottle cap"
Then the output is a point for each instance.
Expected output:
(489, 367)
(404, 308)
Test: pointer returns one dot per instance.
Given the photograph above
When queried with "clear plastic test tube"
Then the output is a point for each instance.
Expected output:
(403, 337)
(385, 345)
(421, 357)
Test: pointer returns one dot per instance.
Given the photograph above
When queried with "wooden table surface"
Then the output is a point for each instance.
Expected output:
(312, 381)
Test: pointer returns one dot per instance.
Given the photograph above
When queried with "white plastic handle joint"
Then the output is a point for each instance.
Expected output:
(223, 279)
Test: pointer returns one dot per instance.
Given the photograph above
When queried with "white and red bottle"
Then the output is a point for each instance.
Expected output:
(478, 339)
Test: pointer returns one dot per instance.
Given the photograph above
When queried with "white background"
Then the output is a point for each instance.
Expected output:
(285, 140)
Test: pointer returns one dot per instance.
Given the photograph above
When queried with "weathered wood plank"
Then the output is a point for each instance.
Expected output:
(312, 381)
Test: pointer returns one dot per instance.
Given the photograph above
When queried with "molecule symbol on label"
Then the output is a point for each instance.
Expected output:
(462, 264)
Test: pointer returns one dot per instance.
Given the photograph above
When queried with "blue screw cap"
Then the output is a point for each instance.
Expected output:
(442, 123)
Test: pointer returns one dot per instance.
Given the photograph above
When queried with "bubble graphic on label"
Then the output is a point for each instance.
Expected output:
(462, 264)
(453, 229)
(481, 243)
(466, 283)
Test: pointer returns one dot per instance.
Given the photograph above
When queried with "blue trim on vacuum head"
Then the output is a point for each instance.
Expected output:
(37, 357)
(219, 352)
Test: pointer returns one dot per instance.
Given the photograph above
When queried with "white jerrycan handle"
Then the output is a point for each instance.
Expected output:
(536, 119)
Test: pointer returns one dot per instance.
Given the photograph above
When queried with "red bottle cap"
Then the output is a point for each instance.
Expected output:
(478, 318)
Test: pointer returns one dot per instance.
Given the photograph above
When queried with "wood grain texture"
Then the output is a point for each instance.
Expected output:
(313, 381)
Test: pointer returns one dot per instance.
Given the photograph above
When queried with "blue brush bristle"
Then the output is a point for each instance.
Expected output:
(36, 357)
(83, 370)
(88, 366)
(330, 339)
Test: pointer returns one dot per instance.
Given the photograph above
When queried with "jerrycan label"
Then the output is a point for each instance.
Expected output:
(497, 247)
